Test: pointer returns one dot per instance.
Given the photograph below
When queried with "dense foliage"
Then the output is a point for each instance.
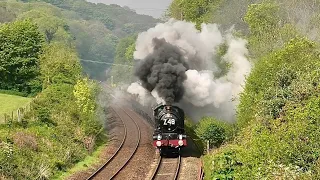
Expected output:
(94, 29)
(278, 116)
(41, 46)
(62, 127)
(122, 70)
(197, 11)
(214, 131)
(20, 46)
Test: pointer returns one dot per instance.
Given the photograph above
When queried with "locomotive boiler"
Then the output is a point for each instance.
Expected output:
(169, 134)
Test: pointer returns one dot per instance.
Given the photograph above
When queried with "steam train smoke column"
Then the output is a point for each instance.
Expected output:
(163, 70)
(178, 63)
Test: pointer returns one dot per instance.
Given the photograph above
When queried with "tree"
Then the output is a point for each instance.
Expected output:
(214, 131)
(85, 95)
(20, 46)
(197, 11)
(124, 56)
(59, 64)
(268, 27)
(53, 27)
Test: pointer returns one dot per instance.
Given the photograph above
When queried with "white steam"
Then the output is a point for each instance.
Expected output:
(203, 92)
(198, 47)
(203, 89)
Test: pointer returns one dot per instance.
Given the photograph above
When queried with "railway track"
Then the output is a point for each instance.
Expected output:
(167, 168)
(125, 152)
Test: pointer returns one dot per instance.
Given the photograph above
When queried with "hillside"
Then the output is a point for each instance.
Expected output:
(121, 21)
(153, 8)
(93, 29)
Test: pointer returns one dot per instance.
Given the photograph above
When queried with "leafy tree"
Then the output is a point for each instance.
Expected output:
(20, 46)
(114, 17)
(59, 64)
(124, 56)
(197, 11)
(94, 42)
(214, 131)
(85, 96)
(264, 24)
(50, 24)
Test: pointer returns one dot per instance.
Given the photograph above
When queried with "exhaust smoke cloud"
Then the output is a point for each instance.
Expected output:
(177, 64)
(163, 70)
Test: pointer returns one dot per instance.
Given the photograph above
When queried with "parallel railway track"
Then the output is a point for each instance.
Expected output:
(119, 160)
(167, 168)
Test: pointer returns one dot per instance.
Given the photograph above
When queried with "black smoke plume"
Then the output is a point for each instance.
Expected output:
(164, 70)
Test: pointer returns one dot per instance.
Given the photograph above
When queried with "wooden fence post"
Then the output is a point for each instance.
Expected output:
(18, 114)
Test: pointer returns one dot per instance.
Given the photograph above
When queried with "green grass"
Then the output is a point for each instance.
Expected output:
(88, 162)
(9, 103)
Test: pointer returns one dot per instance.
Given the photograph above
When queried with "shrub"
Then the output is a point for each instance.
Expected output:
(214, 131)
(278, 119)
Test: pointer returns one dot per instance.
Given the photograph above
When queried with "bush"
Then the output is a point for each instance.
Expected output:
(214, 131)
(278, 120)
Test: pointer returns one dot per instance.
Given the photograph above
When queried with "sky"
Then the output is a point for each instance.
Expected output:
(153, 8)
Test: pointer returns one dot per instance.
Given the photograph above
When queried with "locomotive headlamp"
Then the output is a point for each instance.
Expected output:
(158, 143)
(180, 136)
(180, 142)
(159, 137)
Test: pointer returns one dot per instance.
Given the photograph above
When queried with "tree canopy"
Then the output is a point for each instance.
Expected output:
(20, 47)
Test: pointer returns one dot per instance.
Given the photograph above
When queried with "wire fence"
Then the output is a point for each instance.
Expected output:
(17, 115)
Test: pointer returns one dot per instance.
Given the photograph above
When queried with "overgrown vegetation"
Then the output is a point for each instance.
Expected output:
(122, 70)
(277, 125)
(277, 119)
(62, 127)
(94, 29)
(41, 46)
(214, 131)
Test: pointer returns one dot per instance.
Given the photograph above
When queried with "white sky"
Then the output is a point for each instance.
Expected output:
(153, 8)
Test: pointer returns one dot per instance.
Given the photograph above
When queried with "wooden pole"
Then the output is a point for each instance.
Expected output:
(19, 115)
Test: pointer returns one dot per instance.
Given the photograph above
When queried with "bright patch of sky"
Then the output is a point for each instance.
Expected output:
(155, 8)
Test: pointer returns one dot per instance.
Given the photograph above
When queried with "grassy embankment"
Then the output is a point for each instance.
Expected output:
(9, 103)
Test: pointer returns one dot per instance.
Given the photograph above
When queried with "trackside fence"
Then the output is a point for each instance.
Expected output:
(17, 115)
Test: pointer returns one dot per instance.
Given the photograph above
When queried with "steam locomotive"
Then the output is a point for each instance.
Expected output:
(169, 134)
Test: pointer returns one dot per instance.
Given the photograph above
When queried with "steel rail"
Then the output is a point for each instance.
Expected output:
(136, 147)
(160, 163)
(114, 155)
(178, 168)
(157, 168)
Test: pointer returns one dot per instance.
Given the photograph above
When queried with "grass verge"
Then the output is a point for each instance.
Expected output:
(9, 103)
(87, 163)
